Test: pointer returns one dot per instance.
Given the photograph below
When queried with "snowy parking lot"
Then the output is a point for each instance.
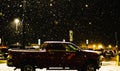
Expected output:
(106, 66)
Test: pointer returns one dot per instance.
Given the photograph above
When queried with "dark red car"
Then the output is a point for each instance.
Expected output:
(54, 54)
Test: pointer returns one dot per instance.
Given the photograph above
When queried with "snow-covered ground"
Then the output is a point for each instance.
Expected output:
(106, 66)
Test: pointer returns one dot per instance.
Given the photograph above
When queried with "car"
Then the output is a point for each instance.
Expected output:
(3, 52)
(54, 54)
(108, 53)
(1, 56)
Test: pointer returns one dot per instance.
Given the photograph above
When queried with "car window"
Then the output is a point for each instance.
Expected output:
(54, 46)
(70, 47)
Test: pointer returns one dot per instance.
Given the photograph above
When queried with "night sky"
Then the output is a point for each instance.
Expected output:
(95, 20)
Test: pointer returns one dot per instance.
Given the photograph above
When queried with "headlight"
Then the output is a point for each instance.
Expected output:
(101, 58)
(9, 56)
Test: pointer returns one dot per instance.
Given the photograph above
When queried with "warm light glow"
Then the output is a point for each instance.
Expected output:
(87, 41)
(16, 21)
(94, 45)
(109, 46)
(0, 13)
(100, 46)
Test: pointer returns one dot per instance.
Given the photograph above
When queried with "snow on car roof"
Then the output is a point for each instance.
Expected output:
(56, 42)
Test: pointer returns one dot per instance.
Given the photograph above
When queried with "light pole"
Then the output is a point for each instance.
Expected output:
(87, 42)
(17, 21)
(116, 39)
(23, 23)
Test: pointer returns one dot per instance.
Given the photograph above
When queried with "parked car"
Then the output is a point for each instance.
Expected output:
(1, 55)
(54, 54)
(108, 53)
(3, 52)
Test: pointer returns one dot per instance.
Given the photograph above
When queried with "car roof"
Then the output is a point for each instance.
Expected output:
(56, 42)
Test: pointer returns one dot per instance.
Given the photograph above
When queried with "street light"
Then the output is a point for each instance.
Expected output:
(17, 24)
(17, 21)
(87, 42)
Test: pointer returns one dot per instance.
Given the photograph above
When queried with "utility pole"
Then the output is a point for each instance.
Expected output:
(117, 57)
(116, 40)
(87, 42)
(23, 23)
(0, 29)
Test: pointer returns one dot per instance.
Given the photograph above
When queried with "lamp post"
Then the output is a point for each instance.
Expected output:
(23, 29)
(17, 21)
(116, 39)
(87, 42)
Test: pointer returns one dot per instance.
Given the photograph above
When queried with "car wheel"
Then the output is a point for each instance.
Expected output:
(28, 68)
(89, 67)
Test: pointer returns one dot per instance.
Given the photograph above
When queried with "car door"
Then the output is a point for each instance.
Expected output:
(73, 56)
(55, 54)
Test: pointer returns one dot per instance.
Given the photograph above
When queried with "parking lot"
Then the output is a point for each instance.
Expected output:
(106, 66)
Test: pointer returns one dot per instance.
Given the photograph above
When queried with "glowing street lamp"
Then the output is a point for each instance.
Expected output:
(100, 46)
(87, 42)
(1, 14)
(17, 21)
(110, 46)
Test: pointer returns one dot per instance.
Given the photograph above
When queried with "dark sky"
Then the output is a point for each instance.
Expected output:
(95, 20)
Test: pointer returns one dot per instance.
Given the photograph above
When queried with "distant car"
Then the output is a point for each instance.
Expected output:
(15, 46)
(119, 52)
(108, 53)
(1, 56)
(3, 52)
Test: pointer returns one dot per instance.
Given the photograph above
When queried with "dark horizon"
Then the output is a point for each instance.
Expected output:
(95, 20)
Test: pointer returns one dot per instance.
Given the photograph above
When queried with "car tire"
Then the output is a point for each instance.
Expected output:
(28, 68)
(89, 67)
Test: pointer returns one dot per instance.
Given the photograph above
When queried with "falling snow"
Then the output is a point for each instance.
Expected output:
(96, 20)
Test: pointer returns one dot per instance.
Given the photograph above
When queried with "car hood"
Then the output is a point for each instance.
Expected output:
(92, 51)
